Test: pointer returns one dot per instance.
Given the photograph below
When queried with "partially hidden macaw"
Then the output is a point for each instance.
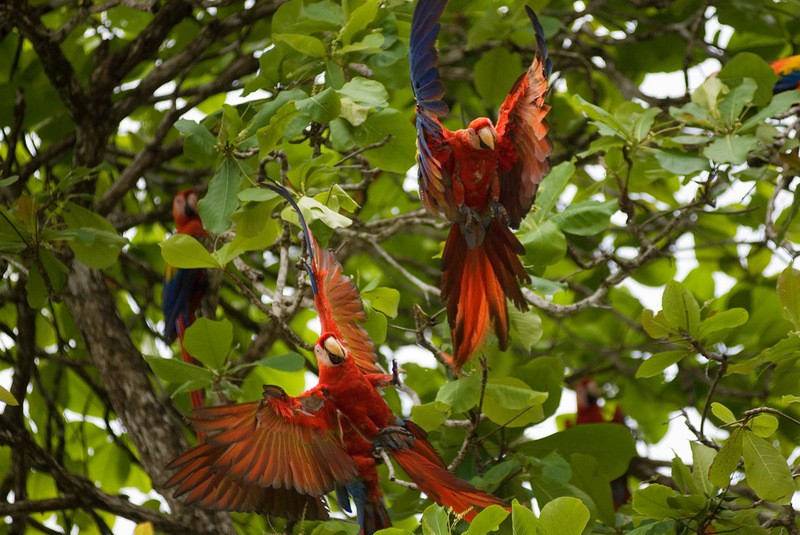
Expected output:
(294, 450)
(184, 288)
(483, 179)
(788, 69)
(588, 394)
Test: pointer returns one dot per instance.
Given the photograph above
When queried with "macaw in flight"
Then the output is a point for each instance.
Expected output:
(588, 393)
(483, 179)
(789, 71)
(184, 288)
(279, 456)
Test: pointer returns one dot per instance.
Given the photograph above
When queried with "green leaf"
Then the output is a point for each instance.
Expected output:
(680, 308)
(511, 402)
(789, 398)
(494, 73)
(658, 362)
(435, 521)
(779, 104)
(314, 210)
(305, 44)
(789, 295)
(176, 371)
(586, 218)
(369, 93)
(5, 182)
(358, 20)
(288, 362)
(371, 44)
(708, 93)
(430, 416)
(209, 341)
(550, 190)
(545, 244)
(702, 456)
(393, 531)
(764, 425)
(184, 251)
(526, 327)
(563, 516)
(487, 520)
(652, 501)
(680, 163)
(766, 469)
(523, 521)
(462, 394)
(270, 135)
(200, 144)
(735, 102)
(747, 65)
(656, 325)
(644, 122)
(383, 300)
(601, 117)
(723, 413)
(611, 444)
(397, 155)
(732, 149)
(721, 322)
(322, 107)
(95, 241)
(726, 460)
(7, 398)
(683, 476)
(222, 198)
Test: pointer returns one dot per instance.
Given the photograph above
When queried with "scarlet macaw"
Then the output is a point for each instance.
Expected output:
(483, 179)
(588, 393)
(184, 288)
(325, 439)
(789, 71)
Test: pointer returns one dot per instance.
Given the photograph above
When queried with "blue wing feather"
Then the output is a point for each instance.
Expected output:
(423, 57)
(787, 82)
(179, 295)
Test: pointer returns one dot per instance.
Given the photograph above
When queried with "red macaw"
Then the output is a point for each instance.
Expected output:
(789, 71)
(184, 288)
(588, 393)
(322, 440)
(483, 179)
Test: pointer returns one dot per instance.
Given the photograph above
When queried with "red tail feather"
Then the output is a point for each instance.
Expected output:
(440, 485)
(476, 283)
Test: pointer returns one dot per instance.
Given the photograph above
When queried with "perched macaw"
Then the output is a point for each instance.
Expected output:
(789, 71)
(285, 450)
(483, 179)
(588, 393)
(184, 288)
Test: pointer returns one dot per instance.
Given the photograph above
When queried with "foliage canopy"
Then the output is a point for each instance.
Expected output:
(113, 107)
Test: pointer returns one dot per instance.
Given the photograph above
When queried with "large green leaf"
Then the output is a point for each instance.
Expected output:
(222, 197)
(563, 516)
(209, 341)
(766, 469)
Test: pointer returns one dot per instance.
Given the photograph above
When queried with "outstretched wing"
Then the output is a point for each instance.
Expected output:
(340, 310)
(279, 452)
(522, 134)
(433, 148)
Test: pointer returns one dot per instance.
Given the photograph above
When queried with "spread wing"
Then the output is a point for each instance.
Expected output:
(277, 456)
(433, 147)
(340, 310)
(522, 134)
(181, 295)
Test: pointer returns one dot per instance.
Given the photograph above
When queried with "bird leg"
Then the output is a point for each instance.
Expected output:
(473, 225)
(394, 437)
(499, 212)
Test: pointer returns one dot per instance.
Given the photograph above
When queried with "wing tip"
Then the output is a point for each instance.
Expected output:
(540, 40)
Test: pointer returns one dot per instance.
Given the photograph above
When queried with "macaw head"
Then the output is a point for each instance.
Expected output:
(588, 392)
(482, 134)
(329, 351)
(184, 207)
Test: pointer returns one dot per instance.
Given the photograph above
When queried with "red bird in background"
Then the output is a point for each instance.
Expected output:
(483, 179)
(280, 455)
(184, 289)
(788, 69)
(588, 393)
